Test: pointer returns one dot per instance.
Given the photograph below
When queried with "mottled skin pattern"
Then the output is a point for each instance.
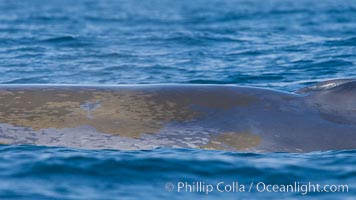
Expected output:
(223, 117)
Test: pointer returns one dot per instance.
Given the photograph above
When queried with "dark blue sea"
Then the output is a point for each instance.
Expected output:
(278, 44)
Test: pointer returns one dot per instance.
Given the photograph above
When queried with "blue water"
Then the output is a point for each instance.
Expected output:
(279, 44)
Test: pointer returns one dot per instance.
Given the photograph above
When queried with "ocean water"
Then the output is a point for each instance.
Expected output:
(279, 44)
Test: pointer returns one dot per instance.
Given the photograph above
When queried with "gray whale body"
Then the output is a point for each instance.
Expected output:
(221, 117)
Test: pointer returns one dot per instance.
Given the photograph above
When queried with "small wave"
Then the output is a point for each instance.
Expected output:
(194, 38)
(342, 42)
(240, 79)
(60, 39)
(329, 64)
(66, 41)
(25, 80)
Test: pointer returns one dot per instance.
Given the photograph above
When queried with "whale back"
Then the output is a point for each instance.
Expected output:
(324, 86)
(335, 99)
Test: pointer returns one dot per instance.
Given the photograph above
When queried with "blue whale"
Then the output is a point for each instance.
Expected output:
(221, 117)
